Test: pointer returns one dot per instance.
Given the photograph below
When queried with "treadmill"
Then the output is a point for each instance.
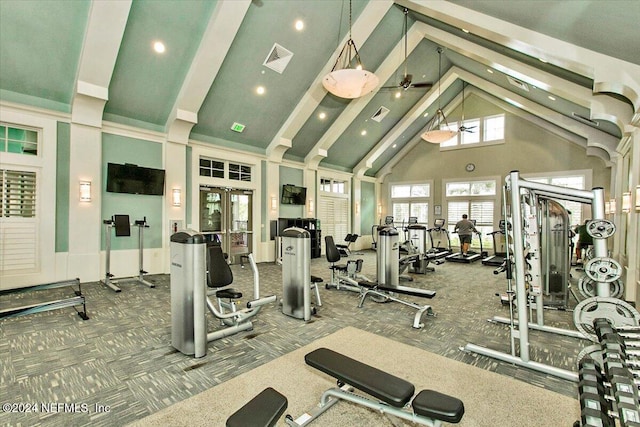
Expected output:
(499, 241)
(472, 256)
(439, 236)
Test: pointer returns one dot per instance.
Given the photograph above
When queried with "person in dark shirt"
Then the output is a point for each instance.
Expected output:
(584, 240)
(465, 230)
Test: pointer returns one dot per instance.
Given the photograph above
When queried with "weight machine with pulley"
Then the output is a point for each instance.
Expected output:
(524, 266)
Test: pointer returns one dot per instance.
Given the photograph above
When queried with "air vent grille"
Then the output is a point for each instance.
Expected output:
(278, 58)
(380, 114)
(518, 83)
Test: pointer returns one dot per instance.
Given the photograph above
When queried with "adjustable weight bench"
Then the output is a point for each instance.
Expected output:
(387, 293)
(264, 410)
(389, 394)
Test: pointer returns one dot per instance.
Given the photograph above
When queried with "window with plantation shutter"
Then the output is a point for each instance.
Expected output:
(333, 213)
(18, 223)
(476, 199)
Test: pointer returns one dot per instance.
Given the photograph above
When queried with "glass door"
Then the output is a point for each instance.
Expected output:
(225, 216)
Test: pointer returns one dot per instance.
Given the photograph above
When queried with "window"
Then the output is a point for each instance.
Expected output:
(217, 169)
(335, 186)
(480, 211)
(473, 188)
(410, 200)
(212, 168)
(18, 140)
(239, 172)
(484, 130)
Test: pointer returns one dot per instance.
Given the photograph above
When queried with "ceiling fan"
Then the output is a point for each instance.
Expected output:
(407, 79)
(462, 127)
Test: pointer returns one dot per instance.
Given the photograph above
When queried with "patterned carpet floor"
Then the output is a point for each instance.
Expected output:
(119, 366)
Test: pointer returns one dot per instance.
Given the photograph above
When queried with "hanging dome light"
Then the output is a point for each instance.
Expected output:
(345, 81)
(438, 130)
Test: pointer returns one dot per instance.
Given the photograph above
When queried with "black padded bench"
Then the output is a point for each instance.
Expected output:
(264, 410)
(392, 394)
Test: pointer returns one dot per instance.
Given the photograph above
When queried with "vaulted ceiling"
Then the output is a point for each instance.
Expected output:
(573, 66)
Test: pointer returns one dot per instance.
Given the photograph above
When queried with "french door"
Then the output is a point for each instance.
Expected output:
(226, 214)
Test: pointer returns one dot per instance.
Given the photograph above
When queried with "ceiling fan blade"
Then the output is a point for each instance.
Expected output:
(422, 84)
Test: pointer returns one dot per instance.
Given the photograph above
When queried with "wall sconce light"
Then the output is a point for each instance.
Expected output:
(176, 197)
(379, 209)
(607, 208)
(357, 208)
(612, 208)
(274, 203)
(626, 202)
(638, 198)
(310, 206)
(85, 191)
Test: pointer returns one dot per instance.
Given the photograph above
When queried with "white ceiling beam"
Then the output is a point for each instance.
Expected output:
(385, 71)
(216, 41)
(362, 28)
(102, 39)
(609, 74)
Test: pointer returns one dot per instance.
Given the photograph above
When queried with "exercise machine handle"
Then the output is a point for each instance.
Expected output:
(262, 301)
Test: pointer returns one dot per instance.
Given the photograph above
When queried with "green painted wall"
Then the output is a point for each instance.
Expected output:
(63, 159)
(290, 176)
(120, 149)
(367, 207)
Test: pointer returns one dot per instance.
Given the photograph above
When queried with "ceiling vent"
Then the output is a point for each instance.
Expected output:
(278, 58)
(585, 120)
(380, 114)
(518, 83)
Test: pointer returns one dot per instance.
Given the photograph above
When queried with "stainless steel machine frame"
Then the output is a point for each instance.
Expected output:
(296, 273)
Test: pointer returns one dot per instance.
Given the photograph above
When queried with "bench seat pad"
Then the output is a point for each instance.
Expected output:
(228, 293)
(264, 410)
(316, 279)
(386, 387)
(432, 404)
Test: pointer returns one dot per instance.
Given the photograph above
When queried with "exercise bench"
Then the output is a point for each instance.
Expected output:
(264, 410)
(389, 394)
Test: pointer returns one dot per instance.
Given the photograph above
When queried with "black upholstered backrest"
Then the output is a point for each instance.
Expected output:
(331, 251)
(219, 273)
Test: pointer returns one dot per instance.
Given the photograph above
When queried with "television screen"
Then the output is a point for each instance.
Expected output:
(134, 179)
(293, 195)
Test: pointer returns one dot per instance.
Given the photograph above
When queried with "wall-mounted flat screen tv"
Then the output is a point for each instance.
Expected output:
(134, 179)
(293, 195)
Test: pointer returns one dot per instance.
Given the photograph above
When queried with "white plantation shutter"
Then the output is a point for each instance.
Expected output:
(18, 221)
(333, 213)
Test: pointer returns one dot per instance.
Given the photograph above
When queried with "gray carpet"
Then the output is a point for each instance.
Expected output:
(122, 357)
(490, 399)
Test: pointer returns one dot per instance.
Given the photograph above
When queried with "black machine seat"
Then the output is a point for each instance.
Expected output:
(316, 279)
(386, 387)
(264, 410)
(219, 273)
(431, 404)
(333, 254)
(424, 293)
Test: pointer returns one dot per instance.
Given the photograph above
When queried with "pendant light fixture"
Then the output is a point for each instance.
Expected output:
(434, 133)
(347, 82)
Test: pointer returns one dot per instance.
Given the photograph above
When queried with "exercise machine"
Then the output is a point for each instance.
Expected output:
(388, 222)
(344, 248)
(297, 281)
(524, 267)
(499, 246)
(387, 287)
(471, 256)
(198, 271)
(387, 394)
(123, 228)
(439, 236)
(78, 299)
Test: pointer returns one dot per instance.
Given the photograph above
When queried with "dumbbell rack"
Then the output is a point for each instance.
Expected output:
(609, 378)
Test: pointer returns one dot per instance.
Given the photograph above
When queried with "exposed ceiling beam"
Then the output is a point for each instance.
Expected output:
(102, 39)
(362, 28)
(215, 44)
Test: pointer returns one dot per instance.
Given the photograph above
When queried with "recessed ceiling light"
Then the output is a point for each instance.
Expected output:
(489, 70)
(553, 98)
(299, 25)
(543, 60)
(425, 114)
(322, 115)
(363, 133)
(465, 30)
(158, 47)
(394, 145)
(398, 94)
(260, 90)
